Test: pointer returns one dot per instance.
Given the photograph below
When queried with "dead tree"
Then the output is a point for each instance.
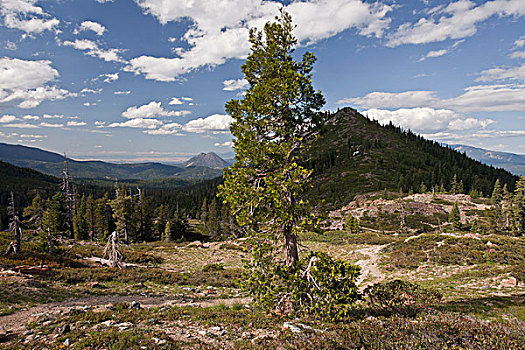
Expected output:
(14, 225)
(112, 251)
(66, 187)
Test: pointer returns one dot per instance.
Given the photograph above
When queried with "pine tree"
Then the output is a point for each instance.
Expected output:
(35, 212)
(90, 216)
(80, 221)
(496, 211)
(455, 217)
(272, 125)
(518, 204)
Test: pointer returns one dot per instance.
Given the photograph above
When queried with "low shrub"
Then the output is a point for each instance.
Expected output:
(400, 297)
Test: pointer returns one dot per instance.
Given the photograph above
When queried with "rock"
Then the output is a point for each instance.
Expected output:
(195, 244)
(92, 284)
(125, 325)
(511, 282)
(107, 323)
(420, 268)
(490, 244)
(28, 332)
(291, 327)
(203, 333)
(67, 342)
(135, 305)
(110, 307)
(64, 330)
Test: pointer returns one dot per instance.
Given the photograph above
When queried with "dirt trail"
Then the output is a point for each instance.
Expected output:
(370, 272)
(17, 321)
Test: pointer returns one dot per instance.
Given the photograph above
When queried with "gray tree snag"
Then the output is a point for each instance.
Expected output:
(14, 226)
(66, 187)
(112, 251)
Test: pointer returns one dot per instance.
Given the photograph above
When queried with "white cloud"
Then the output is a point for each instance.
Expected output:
(138, 123)
(520, 42)
(232, 84)
(73, 123)
(95, 27)
(518, 55)
(26, 16)
(21, 126)
(31, 117)
(92, 49)
(482, 98)
(394, 100)
(166, 129)
(427, 119)
(104, 1)
(180, 100)
(53, 116)
(30, 136)
(51, 125)
(24, 82)
(99, 123)
(223, 144)
(108, 78)
(151, 110)
(220, 33)
(213, 123)
(7, 119)
(90, 91)
(432, 54)
(457, 20)
(501, 73)
(11, 46)
(122, 92)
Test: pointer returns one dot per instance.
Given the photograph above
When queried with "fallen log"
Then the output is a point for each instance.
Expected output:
(34, 270)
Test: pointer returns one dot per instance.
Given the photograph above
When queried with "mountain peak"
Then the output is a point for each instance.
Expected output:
(210, 160)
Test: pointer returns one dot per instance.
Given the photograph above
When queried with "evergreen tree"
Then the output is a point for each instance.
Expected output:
(496, 210)
(518, 204)
(80, 221)
(56, 220)
(35, 212)
(454, 185)
(455, 217)
(90, 216)
(272, 125)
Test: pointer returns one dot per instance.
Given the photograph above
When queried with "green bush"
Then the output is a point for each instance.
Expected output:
(400, 297)
(320, 286)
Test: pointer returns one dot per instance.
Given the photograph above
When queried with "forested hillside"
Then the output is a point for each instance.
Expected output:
(356, 155)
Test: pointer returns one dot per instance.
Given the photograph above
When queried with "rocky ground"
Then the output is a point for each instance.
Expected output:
(185, 295)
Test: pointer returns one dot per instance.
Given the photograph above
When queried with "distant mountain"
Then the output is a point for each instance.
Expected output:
(515, 163)
(356, 155)
(210, 160)
(53, 164)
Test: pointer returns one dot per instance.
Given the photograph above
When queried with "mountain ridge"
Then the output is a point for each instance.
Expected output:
(51, 163)
(512, 162)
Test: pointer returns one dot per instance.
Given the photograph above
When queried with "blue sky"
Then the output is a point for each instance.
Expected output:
(140, 80)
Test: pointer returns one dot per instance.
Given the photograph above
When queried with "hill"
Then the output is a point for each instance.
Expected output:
(356, 155)
(210, 160)
(24, 183)
(514, 163)
(53, 164)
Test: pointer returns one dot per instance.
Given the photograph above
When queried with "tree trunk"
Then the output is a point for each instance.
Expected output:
(18, 238)
(290, 248)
